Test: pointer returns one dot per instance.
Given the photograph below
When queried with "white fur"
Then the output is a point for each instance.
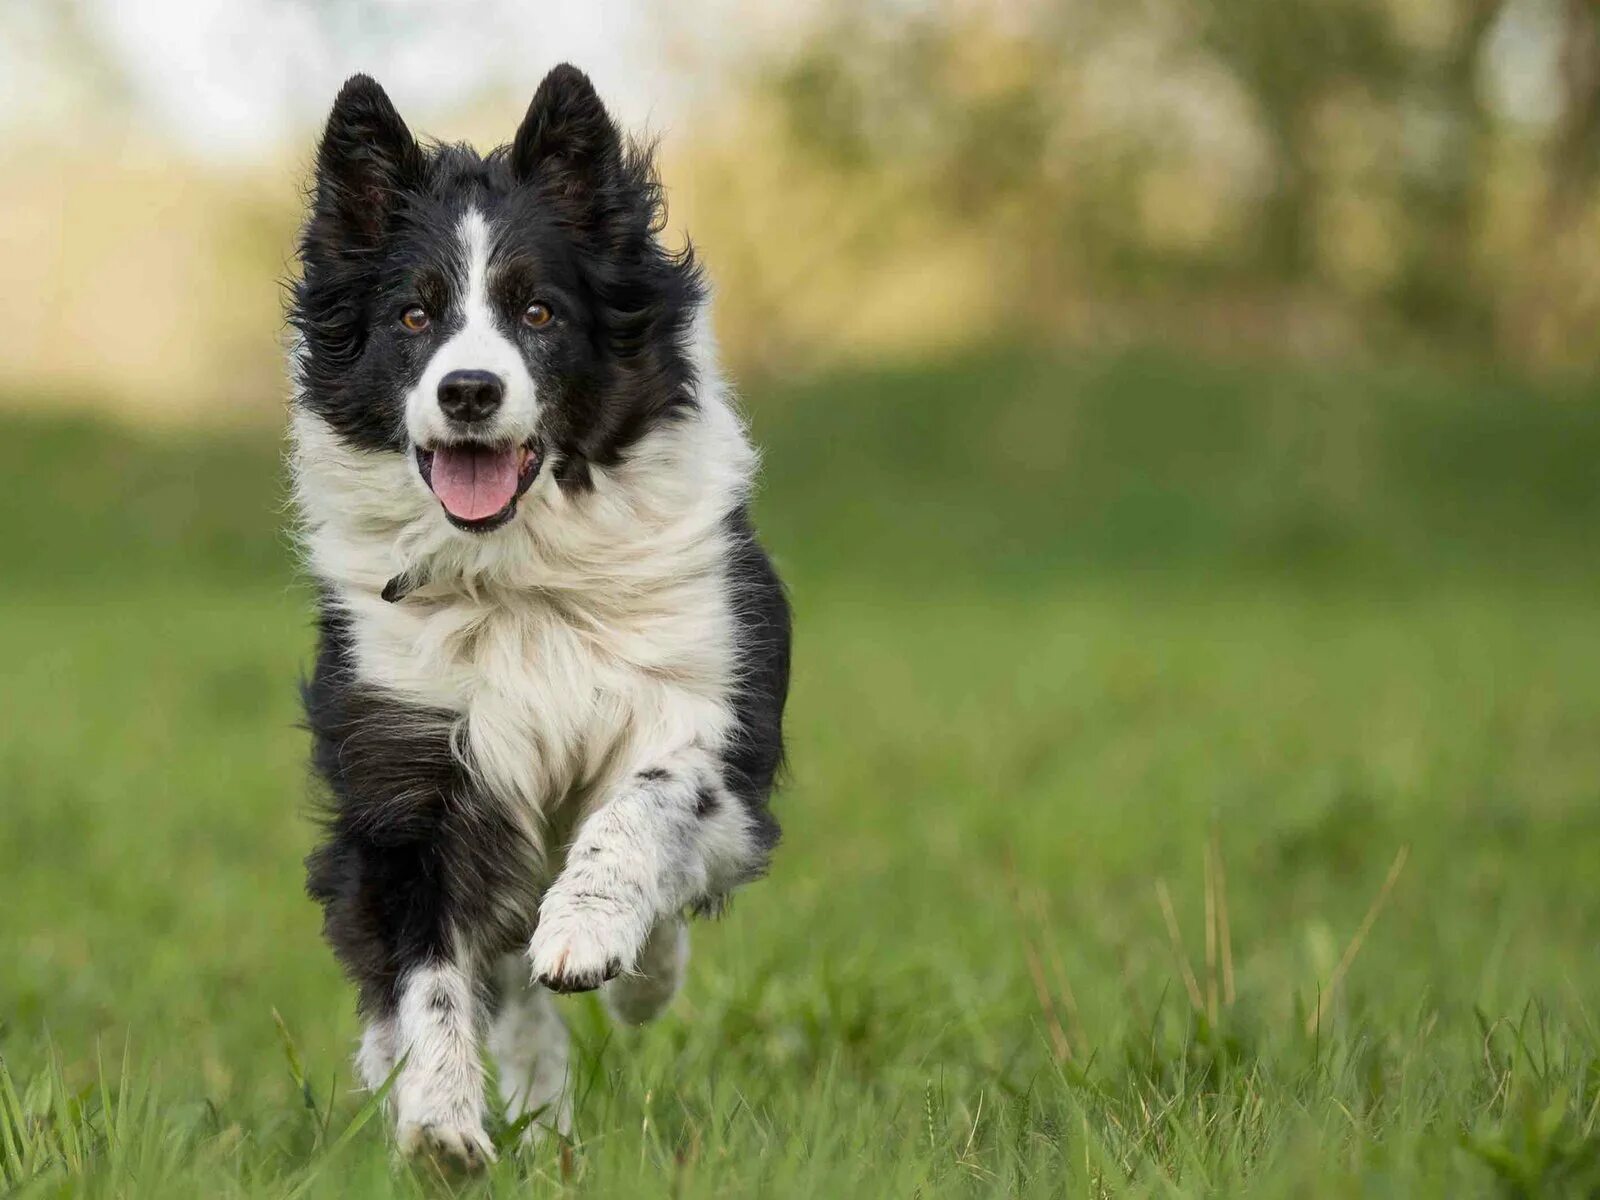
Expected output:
(644, 855)
(438, 1095)
(643, 995)
(587, 640)
(377, 1055)
(479, 345)
(529, 1042)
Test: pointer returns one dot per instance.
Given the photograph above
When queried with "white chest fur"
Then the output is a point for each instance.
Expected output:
(557, 693)
(588, 637)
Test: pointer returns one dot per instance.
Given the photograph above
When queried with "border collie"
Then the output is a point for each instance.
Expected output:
(548, 696)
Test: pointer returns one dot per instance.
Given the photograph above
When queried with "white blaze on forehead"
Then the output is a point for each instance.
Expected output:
(474, 236)
(478, 344)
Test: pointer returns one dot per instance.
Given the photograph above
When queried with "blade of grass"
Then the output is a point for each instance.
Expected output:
(1190, 984)
(1356, 942)
(356, 1124)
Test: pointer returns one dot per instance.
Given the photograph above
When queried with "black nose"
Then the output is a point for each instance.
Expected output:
(467, 396)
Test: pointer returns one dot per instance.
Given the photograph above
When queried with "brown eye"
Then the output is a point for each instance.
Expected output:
(415, 318)
(537, 316)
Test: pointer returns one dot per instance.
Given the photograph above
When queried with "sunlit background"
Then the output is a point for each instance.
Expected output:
(1180, 425)
(1340, 179)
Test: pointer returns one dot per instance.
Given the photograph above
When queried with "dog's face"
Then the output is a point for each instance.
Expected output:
(490, 317)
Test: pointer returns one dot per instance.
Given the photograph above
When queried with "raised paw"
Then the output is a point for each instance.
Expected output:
(450, 1147)
(576, 949)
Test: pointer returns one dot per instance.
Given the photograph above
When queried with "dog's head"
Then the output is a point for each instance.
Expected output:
(490, 317)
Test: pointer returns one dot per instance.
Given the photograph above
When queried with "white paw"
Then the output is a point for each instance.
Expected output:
(463, 1147)
(375, 1058)
(644, 995)
(577, 946)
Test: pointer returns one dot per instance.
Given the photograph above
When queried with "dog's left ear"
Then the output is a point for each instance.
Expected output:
(568, 143)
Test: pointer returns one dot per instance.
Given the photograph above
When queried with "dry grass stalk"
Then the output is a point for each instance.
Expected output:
(1191, 985)
(1211, 939)
(1060, 1046)
(1314, 1021)
(1224, 926)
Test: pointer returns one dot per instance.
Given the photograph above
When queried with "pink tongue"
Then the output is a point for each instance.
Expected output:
(474, 482)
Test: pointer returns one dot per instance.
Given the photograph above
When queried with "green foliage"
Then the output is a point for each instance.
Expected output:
(1539, 1151)
(1029, 465)
(1064, 626)
(1337, 172)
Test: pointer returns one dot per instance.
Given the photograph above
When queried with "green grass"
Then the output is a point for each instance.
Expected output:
(1062, 626)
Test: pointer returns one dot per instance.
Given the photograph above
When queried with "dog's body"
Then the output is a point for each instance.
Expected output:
(549, 692)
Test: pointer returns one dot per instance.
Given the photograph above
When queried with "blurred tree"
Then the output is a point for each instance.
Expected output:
(1557, 310)
(960, 104)
(1575, 148)
(1290, 56)
(1007, 118)
(1436, 289)
(954, 111)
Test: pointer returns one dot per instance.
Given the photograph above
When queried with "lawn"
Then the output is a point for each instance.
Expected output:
(1195, 790)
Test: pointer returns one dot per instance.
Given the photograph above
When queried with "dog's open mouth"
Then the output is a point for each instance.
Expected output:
(479, 485)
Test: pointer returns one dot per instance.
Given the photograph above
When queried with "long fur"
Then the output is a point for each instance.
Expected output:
(555, 737)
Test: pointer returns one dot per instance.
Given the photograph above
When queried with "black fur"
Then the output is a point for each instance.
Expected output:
(705, 802)
(580, 207)
(761, 609)
(412, 848)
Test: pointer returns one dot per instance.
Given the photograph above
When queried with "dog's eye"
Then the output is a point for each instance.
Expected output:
(537, 316)
(415, 318)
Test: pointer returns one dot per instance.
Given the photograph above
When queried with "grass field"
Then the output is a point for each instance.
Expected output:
(1094, 657)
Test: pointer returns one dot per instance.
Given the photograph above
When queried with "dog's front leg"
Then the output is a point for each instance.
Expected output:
(669, 836)
(438, 1097)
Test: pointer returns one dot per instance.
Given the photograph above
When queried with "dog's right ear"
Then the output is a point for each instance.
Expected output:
(366, 158)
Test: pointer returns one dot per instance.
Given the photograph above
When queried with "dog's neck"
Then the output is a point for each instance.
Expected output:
(369, 525)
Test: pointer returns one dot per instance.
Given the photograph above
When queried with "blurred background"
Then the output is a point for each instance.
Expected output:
(1181, 422)
(1331, 179)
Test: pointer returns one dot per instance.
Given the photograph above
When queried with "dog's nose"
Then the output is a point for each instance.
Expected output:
(468, 396)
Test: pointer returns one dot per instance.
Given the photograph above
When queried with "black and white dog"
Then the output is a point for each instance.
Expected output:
(549, 692)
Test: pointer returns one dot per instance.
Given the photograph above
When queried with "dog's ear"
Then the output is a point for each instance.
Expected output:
(568, 143)
(366, 158)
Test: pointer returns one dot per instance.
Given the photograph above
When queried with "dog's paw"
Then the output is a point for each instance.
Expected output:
(645, 993)
(577, 948)
(463, 1147)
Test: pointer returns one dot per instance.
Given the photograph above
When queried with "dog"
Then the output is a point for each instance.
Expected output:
(548, 695)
